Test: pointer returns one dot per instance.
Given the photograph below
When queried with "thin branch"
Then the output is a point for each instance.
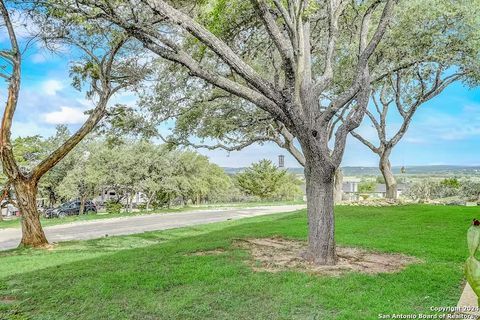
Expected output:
(284, 47)
(8, 159)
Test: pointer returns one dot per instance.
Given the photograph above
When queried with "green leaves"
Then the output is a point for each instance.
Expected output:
(472, 265)
(473, 239)
(263, 179)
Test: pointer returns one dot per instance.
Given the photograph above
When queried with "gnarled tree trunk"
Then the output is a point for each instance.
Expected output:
(390, 181)
(320, 209)
(32, 232)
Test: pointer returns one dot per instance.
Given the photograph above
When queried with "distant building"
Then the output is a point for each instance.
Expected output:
(110, 194)
(350, 190)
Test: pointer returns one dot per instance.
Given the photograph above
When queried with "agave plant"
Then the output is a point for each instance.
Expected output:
(472, 265)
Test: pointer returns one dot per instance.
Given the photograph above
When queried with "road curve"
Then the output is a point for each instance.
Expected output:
(82, 230)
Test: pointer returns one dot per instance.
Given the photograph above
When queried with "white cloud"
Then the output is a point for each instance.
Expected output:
(51, 87)
(31, 128)
(38, 58)
(415, 140)
(66, 115)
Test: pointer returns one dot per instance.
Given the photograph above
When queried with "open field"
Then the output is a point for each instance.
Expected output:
(154, 276)
(15, 223)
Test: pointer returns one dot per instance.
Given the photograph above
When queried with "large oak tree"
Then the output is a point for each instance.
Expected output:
(306, 39)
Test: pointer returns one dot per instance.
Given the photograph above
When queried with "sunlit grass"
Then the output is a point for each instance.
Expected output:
(152, 275)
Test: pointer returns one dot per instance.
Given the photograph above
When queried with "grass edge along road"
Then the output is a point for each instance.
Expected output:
(153, 275)
(15, 223)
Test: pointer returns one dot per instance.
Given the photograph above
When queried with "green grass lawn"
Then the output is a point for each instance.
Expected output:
(151, 275)
(15, 223)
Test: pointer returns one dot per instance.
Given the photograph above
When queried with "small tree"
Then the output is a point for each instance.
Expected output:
(82, 181)
(366, 186)
(263, 179)
(453, 50)
(289, 188)
(99, 66)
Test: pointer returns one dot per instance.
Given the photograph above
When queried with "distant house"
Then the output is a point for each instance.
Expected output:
(381, 189)
(109, 194)
(350, 190)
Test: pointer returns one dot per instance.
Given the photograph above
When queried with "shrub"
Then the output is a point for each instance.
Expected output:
(113, 207)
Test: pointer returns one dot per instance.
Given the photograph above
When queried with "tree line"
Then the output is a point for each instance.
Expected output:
(163, 176)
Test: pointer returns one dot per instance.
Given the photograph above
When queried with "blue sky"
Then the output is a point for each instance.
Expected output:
(445, 130)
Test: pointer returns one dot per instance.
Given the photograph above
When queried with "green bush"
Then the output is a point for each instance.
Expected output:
(113, 207)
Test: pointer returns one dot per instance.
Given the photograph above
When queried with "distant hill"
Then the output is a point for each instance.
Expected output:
(409, 170)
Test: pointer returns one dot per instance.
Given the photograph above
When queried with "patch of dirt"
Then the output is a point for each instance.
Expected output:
(213, 252)
(51, 246)
(278, 254)
(8, 299)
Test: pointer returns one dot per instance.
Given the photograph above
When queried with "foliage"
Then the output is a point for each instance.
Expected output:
(367, 186)
(160, 175)
(263, 179)
(82, 181)
(427, 189)
(290, 188)
(472, 265)
(113, 207)
(422, 190)
(470, 190)
(380, 179)
(450, 183)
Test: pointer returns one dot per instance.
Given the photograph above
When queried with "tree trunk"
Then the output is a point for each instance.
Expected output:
(82, 206)
(127, 204)
(130, 209)
(390, 182)
(321, 220)
(52, 199)
(32, 232)
(338, 191)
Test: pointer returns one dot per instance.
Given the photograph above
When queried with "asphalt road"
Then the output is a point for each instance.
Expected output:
(10, 238)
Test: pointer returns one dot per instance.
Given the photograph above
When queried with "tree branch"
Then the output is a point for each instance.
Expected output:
(10, 166)
(284, 47)
(216, 45)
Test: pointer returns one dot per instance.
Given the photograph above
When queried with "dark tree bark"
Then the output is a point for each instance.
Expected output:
(321, 220)
(82, 205)
(32, 232)
(52, 198)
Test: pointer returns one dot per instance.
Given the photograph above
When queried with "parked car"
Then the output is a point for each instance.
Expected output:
(71, 208)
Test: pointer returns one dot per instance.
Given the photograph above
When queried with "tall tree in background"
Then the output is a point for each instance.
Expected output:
(453, 42)
(302, 39)
(50, 182)
(99, 66)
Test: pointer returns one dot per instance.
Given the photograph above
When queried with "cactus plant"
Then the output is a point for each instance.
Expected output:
(472, 265)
